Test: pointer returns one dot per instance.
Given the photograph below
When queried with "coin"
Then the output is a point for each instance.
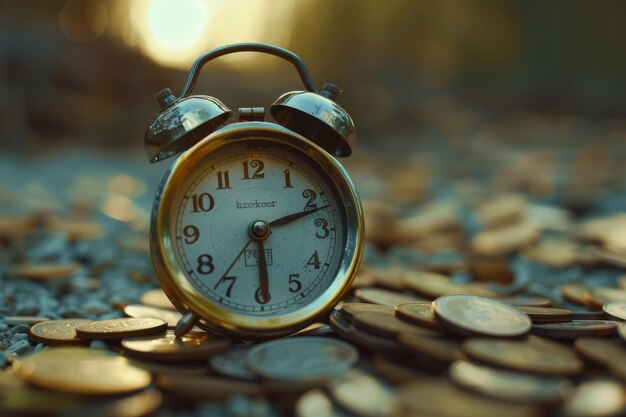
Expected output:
(438, 349)
(530, 355)
(371, 341)
(600, 351)
(156, 298)
(44, 272)
(208, 387)
(598, 297)
(30, 320)
(505, 239)
(121, 328)
(302, 358)
(233, 363)
(508, 385)
(81, 371)
(576, 328)
(169, 348)
(431, 285)
(616, 309)
(385, 297)
(349, 310)
(574, 293)
(599, 397)
(387, 325)
(142, 311)
(58, 332)
(621, 330)
(438, 397)
(170, 368)
(20, 399)
(395, 370)
(526, 301)
(471, 315)
(546, 314)
(362, 394)
(417, 313)
(315, 403)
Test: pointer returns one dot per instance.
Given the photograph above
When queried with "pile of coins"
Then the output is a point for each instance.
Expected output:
(476, 297)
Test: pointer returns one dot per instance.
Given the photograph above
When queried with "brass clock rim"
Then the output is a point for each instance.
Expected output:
(172, 276)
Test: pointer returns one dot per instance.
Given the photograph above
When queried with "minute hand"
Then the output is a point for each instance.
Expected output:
(295, 216)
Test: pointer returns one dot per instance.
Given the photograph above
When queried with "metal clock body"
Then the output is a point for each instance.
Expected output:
(206, 257)
(257, 229)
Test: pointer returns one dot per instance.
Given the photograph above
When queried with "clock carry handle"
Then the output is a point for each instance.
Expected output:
(289, 56)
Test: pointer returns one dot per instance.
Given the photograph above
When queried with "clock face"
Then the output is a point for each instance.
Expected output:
(259, 228)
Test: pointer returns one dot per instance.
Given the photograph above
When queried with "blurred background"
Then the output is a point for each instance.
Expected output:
(501, 88)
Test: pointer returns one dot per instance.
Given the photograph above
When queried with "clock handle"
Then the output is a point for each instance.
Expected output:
(303, 71)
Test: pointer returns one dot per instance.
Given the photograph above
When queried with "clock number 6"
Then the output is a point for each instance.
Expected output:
(205, 264)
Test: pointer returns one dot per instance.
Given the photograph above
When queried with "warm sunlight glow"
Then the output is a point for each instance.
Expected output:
(174, 33)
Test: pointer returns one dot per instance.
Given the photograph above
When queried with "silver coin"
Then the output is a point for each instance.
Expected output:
(305, 358)
(616, 309)
(362, 394)
(233, 363)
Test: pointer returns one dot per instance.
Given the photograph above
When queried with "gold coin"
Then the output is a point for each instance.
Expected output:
(44, 272)
(418, 313)
(349, 310)
(30, 320)
(532, 355)
(208, 387)
(546, 314)
(385, 297)
(58, 332)
(156, 298)
(600, 351)
(526, 301)
(435, 348)
(81, 371)
(438, 397)
(508, 385)
(190, 346)
(431, 285)
(121, 328)
(471, 315)
(395, 370)
(388, 326)
(574, 293)
(505, 239)
(142, 311)
(576, 328)
(598, 297)
(616, 309)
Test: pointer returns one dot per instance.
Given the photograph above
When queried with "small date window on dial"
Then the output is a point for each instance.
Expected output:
(252, 257)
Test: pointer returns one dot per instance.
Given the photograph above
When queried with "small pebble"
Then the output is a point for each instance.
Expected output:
(20, 347)
(20, 328)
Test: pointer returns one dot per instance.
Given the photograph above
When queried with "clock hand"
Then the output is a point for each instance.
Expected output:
(295, 216)
(265, 291)
(236, 258)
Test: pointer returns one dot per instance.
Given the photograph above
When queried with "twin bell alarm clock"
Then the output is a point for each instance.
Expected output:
(257, 229)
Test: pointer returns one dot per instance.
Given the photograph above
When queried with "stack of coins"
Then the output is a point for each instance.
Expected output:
(492, 284)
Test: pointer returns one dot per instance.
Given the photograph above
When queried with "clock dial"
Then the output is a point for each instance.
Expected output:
(259, 228)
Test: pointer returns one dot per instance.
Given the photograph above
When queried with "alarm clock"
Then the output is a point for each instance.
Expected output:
(257, 229)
